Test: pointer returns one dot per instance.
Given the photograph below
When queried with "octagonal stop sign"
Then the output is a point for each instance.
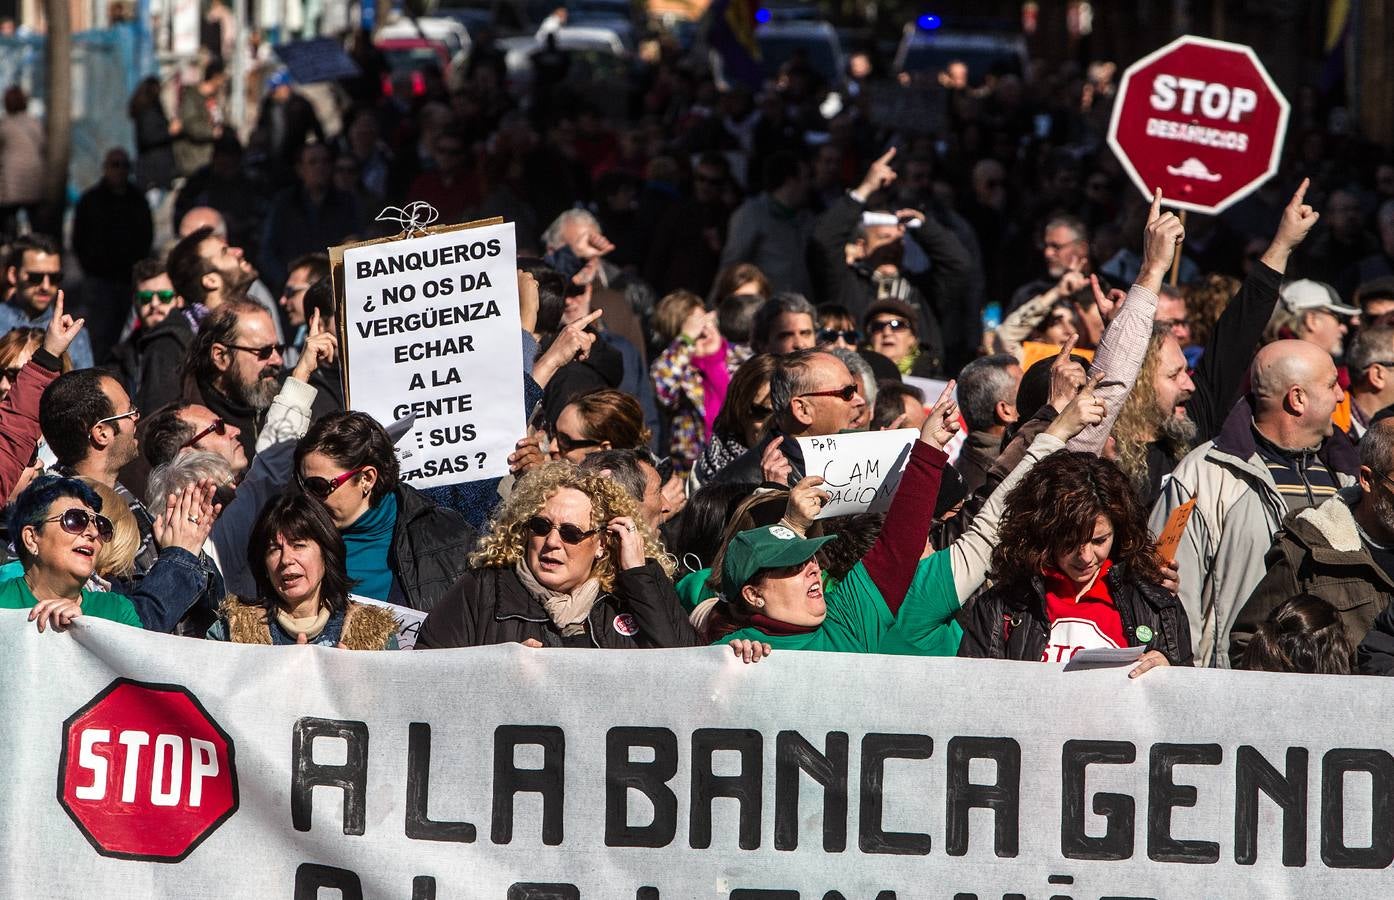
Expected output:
(145, 772)
(1201, 120)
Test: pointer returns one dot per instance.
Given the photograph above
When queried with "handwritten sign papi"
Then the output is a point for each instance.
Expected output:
(432, 329)
(861, 470)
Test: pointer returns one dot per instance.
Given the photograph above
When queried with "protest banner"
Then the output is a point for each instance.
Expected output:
(430, 328)
(861, 470)
(201, 770)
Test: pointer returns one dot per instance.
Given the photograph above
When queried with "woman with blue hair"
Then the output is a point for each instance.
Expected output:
(57, 528)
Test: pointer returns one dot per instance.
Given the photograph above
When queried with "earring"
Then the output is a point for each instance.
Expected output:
(365, 492)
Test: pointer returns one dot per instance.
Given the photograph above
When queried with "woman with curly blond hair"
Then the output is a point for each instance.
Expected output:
(1075, 568)
(567, 562)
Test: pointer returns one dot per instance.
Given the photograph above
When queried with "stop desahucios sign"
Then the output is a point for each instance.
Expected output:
(1200, 119)
(145, 772)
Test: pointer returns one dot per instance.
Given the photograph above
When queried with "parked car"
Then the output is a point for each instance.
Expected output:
(930, 50)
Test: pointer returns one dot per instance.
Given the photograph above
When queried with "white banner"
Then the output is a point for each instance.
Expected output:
(433, 330)
(199, 770)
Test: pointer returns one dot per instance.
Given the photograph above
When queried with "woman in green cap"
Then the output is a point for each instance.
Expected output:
(774, 591)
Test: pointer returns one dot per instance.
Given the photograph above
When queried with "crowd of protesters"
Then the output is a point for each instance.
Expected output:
(703, 282)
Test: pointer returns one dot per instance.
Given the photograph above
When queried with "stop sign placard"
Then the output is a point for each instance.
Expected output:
(1201, 120)
(145, 772)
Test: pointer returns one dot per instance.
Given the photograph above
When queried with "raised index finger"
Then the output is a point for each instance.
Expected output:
(583, 322)
(1156, 211)
(1067, 348)
(887, 157)
(314, 323)
(1301, 192)
(946, 395)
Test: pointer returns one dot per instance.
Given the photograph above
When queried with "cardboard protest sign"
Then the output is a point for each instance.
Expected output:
(430, 328)
(1170, 538)
(861, 470)
(408, 620)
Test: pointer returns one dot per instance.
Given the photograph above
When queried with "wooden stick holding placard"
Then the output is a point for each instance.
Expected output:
(1176, 260)
(336, 280)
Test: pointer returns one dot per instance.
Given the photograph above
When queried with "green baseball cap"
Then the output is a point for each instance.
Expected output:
(770, 547)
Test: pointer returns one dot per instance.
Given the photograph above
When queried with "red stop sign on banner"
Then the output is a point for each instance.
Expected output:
(1201, 120)
(145, 772)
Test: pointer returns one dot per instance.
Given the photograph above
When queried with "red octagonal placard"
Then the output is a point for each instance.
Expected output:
(1200, 119)
(145, 772)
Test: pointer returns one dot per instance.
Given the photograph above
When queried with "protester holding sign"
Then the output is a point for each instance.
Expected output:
(1076, 569)
(401, 547)
(568, 562)
(298, 563)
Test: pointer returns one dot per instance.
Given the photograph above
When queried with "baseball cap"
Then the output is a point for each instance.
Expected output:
(1304, 294)
(770, 547)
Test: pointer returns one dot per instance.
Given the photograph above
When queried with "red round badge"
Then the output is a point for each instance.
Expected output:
(626, 625)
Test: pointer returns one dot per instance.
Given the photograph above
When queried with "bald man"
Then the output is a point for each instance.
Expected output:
(1276, 454)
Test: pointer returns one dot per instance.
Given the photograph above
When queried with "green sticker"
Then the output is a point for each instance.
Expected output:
(1144, 633)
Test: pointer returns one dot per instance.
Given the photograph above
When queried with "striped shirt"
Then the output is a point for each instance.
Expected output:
(1301, 477)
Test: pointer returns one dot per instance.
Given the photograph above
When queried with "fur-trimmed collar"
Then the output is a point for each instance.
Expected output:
(1334, 521)
(365, 627)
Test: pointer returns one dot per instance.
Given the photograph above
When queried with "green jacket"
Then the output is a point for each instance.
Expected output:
(859, 621)
(15, 594)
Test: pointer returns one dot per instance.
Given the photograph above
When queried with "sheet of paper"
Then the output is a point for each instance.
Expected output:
(861, 470)
(1104, 658)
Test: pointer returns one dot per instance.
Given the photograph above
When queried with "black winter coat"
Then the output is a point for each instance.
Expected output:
(491, 606)
(430, 549)
(1009, 621)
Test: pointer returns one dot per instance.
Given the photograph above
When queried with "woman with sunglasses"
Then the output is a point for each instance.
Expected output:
(297, 561)
(691, 377)
(741, 422)
(58, 532)
(600, 420)
(402, 548)
(568, 562)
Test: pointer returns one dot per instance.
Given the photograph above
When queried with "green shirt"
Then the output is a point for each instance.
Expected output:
(858, 620)
(15, 594)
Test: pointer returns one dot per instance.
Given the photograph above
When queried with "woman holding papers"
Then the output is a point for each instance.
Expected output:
(297, 560)
(1076, 569)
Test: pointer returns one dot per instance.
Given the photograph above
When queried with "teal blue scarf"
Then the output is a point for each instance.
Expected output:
(368, 542)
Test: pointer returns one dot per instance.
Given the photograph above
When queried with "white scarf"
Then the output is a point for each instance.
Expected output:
(567, 611)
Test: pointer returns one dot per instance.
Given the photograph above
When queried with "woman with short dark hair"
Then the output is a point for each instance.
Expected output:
(297, 561)
(401, 547)
(1075, 568)
(1305, 635)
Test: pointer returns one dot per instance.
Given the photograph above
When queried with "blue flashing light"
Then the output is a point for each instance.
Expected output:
(762, 15)
(928, 22)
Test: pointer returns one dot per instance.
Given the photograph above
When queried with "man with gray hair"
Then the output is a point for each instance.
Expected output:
(987, 398)
(784, 323)
(1277, 453)
(1370, 363)
(866, 383)
(1341, 551)
(812, 394)
(634, 471)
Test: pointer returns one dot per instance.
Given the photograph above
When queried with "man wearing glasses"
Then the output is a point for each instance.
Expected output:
(149, 360)
(90, 424)
(1339, 551)
(236, 367)
(33, 277)
(812, 394)
(1370, 363)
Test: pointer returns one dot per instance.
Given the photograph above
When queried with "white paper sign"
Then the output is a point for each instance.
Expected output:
(433, 331)
(408, 620)
(861, 470)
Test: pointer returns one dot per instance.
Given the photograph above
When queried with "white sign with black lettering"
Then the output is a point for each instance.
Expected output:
(408, 620)
(433, 331)
(861, 470)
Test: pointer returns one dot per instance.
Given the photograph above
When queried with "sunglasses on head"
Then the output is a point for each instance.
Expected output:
(261, 353)
(219, 427)
(321, 488)
(36, 279)
(132, 413)
(845, 393)
(570, 534)
(143, 298)
(881, 325)
(75, 521)
(831, 335)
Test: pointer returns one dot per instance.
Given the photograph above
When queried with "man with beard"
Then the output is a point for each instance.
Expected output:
(208, 272)
(207, 217)
(89, 422)
(1154, 431)
(234, 368)
(1341, 551)
(863, 255)
(33, 275)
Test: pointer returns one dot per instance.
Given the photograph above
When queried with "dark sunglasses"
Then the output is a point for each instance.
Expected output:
(144, 297)
(830, 335)
(261, 353)
(760, 412)
(218, 427)
(321, 488)
(881, 325)
(570, 534)
(566, 443)
(11, 373)
(75, 521)
(36, 279)
(847, 392)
